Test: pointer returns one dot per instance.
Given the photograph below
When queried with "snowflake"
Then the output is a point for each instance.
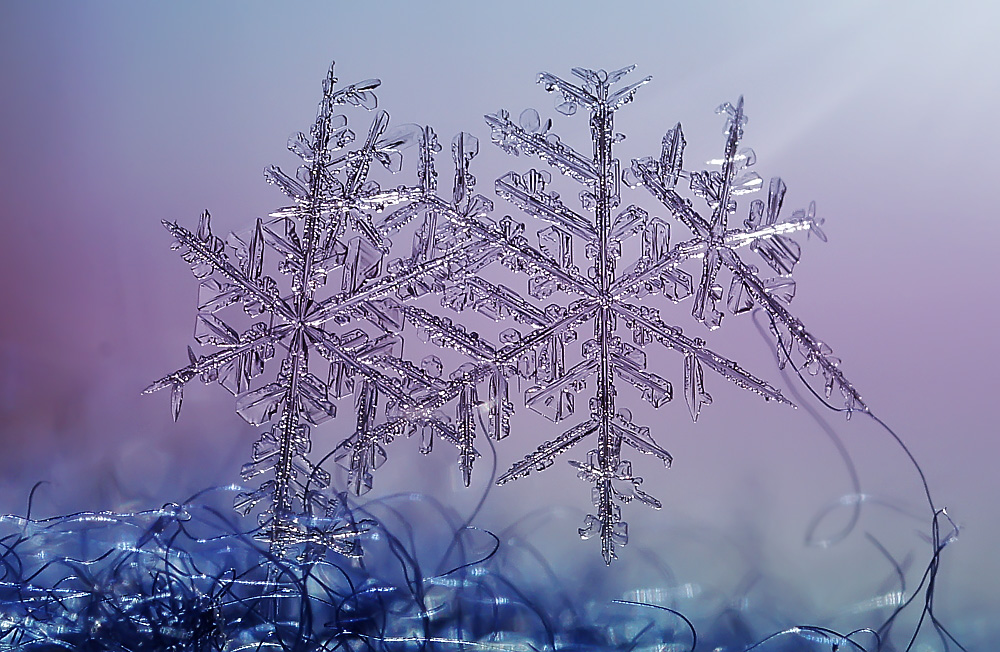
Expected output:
(607, 299)
(334, 197)
(353, 292)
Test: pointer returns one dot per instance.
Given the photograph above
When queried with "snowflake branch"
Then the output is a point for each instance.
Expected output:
(343, 302)
(533, 258)
(544, 455)
(513, 139)
(206, 365)
(537, 203)
(648, 321)
(331, 350)
(677, 205)
(198, 251)
(817, 351)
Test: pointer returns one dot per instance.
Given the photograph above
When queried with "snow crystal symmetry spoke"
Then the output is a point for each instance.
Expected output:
(498, 305)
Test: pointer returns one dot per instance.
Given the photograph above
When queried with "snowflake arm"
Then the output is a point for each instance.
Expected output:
(544, 455)
(205, 253)
(508, 236)
(645, 324)
(815, 354)
(530, 138)
(528, 193)
(241, 359)
(343, 303)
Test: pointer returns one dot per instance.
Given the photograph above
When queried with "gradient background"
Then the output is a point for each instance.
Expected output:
(114, 116)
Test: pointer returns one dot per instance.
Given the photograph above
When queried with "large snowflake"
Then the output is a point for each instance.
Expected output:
(328, 239)
(338, 331)
(614, 304)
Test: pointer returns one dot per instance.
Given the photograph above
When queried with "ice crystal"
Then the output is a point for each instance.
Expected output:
(618, 302)
(338, 331)
(327, 231)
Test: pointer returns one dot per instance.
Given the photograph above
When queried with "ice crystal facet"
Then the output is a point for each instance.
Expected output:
(365, 265)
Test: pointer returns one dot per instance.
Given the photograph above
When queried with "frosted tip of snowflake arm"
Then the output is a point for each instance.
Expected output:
(358, 94)
(612, 530)
(595, 91)
(736, 119)
(572, 95)
(236, 363)
(465, 427)
(809, 216)
(177, 378)
(201, 249)
(799, 348)
(176, 386)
